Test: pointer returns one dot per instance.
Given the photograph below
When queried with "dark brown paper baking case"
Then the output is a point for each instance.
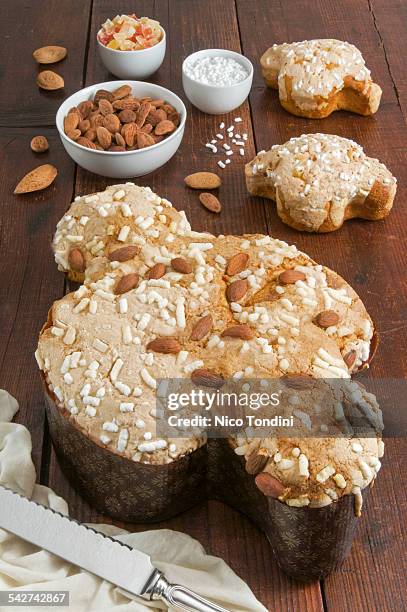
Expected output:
(308, 543)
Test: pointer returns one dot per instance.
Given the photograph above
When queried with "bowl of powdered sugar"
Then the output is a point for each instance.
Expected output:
(217, 80)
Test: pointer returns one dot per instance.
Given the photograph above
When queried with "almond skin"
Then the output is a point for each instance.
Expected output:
(37, 179)
(327, 318)
(39, 144)
(129, 132)
(127, 116)
(127, 283)
(202, 327)
(207, 378)
(123, 253)
(119, 140)
(142, 113)
(256, 462)
(203, 180)
(102, 94)
(85, 142)
(268, 485)
(164, 345)
(76, 260)
(71, 122)
(181, 265)
(289, 277)
(122, 92)
(350, 358)
(84, 125)
(50, 54)
(210, 202)
(129, 103)
(244, 332)
(164, 127)
(49, 80)
(154, 117)
(105, 107)
(237, 290)
(74, 134)
(112, 123)
(96, 120)
(85, 108)
(147, 129)
(237, 264)
(104, 137)
(144, 140)
(156, 271)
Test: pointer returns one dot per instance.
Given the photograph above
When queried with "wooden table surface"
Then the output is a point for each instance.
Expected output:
(371, 256)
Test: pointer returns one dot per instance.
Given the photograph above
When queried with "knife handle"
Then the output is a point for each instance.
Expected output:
(180, 597)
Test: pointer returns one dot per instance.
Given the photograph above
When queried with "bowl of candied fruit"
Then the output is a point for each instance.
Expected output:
(131, 47)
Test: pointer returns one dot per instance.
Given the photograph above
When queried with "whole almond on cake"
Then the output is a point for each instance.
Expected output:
(316, 77)
(318, 181)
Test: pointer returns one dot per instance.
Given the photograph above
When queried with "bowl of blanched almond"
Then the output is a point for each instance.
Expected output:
(131, 47)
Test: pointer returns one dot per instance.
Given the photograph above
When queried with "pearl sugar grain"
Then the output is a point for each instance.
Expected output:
(216, 70)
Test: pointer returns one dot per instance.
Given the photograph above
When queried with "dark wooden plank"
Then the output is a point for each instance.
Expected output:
(374, 577)
(30, 281)
(390, 20)
(352, 250)
(26, 27)
(369, 255)
(211, 25)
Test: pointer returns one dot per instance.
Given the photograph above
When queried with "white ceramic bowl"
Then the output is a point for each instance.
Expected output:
(215, 99)
(133, 64)
(123, 164)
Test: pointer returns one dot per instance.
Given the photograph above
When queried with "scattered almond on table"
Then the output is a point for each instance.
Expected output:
(39, 144)
(49, 80)
(203, 180)
(37, 179)
(210, 202)
(49, 54)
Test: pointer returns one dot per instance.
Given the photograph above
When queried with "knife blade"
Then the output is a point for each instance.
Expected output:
(114, 561)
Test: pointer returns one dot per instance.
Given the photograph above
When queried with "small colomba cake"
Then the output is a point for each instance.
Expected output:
(318, 181)
(121, 215)
(316, 77)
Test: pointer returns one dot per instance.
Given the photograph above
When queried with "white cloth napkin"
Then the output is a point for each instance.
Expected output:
(26, 567)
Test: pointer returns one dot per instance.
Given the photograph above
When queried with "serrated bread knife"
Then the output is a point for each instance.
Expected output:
(123, 566)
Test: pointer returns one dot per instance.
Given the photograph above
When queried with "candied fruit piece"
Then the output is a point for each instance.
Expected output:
(113, 44)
